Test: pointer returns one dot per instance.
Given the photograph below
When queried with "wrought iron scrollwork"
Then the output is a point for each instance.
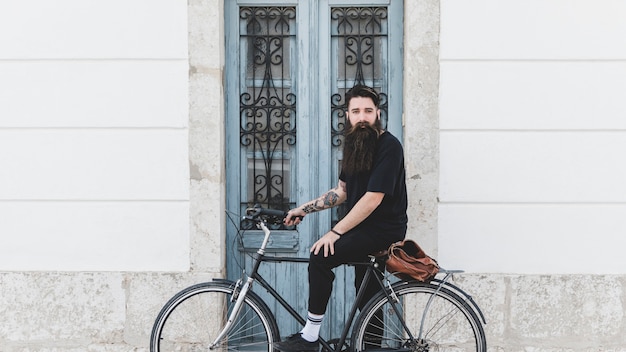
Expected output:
(268, 107)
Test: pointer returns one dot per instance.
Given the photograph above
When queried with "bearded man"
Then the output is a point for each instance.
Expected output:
(372, 184)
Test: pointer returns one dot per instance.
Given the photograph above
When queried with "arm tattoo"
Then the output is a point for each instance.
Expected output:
(309, 208)
(330, 199)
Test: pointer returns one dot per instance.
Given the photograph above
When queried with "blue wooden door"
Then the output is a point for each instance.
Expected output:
(288, 65)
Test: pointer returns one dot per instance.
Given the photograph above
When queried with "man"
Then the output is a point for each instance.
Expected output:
(372, 184)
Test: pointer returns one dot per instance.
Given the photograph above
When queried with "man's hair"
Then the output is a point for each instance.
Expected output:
(362, 91)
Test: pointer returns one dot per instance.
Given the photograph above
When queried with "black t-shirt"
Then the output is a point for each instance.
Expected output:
(387, 176)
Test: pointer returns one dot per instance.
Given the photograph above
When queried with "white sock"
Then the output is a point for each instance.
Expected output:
(311, 330)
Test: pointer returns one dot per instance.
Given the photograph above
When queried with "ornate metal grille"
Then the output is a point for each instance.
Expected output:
(267, 105)
(359, 36)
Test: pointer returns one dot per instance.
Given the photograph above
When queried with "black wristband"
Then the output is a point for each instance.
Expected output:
(335, 232)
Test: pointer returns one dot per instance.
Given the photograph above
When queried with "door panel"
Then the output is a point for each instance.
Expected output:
(288, 66)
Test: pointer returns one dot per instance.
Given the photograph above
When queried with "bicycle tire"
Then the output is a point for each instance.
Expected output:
(192, 318)
(451, 324)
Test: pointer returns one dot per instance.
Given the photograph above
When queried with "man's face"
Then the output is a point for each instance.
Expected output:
(362, 109)
(361, 135)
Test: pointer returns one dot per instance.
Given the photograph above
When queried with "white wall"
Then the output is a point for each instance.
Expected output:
(94, 135)
(533, 136)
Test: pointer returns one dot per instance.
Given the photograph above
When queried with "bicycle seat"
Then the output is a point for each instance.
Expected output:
(380, 253)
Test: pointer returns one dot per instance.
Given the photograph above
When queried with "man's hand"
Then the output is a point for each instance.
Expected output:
(294, 217)
(327, 242)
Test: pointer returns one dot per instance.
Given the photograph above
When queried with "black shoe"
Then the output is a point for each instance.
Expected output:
(295, 343)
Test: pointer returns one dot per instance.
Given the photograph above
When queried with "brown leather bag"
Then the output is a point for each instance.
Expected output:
(408, 261)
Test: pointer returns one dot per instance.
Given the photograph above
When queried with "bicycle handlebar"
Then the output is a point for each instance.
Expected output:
(257, 212)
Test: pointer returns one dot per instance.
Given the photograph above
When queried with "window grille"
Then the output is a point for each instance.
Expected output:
(267, 105)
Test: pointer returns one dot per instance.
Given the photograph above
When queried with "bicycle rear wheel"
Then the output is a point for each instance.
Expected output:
(450, 323)
(191, 320)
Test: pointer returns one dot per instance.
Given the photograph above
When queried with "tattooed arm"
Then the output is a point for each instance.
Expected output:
(328, 200)
(362, 209)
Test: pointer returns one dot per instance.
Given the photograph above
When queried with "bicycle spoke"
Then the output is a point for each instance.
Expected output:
(448, 324)
(442, 322)
(192, 320)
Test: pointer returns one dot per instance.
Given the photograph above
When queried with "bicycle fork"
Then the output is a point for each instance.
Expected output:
(241, 295)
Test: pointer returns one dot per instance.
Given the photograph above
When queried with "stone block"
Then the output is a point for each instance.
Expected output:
(146, 295)
(563, 311)
(61, 308)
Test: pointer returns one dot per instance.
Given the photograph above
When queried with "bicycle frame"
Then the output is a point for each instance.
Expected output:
(353, 311)
(371, 266)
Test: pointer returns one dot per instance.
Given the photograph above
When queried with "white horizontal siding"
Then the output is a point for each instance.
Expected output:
(111, 29)
(98, 164)
(533, 95)
(511, 167)
(94, 146)
(532, 101)
(94, 236)
(533, 29)
(94, 93)
(533, 238)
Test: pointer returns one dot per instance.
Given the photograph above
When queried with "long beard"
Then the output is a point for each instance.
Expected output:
(359, 147)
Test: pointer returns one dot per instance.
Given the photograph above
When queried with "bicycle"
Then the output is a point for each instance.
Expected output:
(223, 315)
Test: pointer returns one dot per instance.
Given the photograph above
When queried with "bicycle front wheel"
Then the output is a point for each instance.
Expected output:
(448, 324)
(192, 319)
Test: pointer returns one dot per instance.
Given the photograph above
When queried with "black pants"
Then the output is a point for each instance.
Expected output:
(353, 246)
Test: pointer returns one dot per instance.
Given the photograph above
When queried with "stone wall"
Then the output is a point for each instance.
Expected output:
(114, 312)
(551, 312)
